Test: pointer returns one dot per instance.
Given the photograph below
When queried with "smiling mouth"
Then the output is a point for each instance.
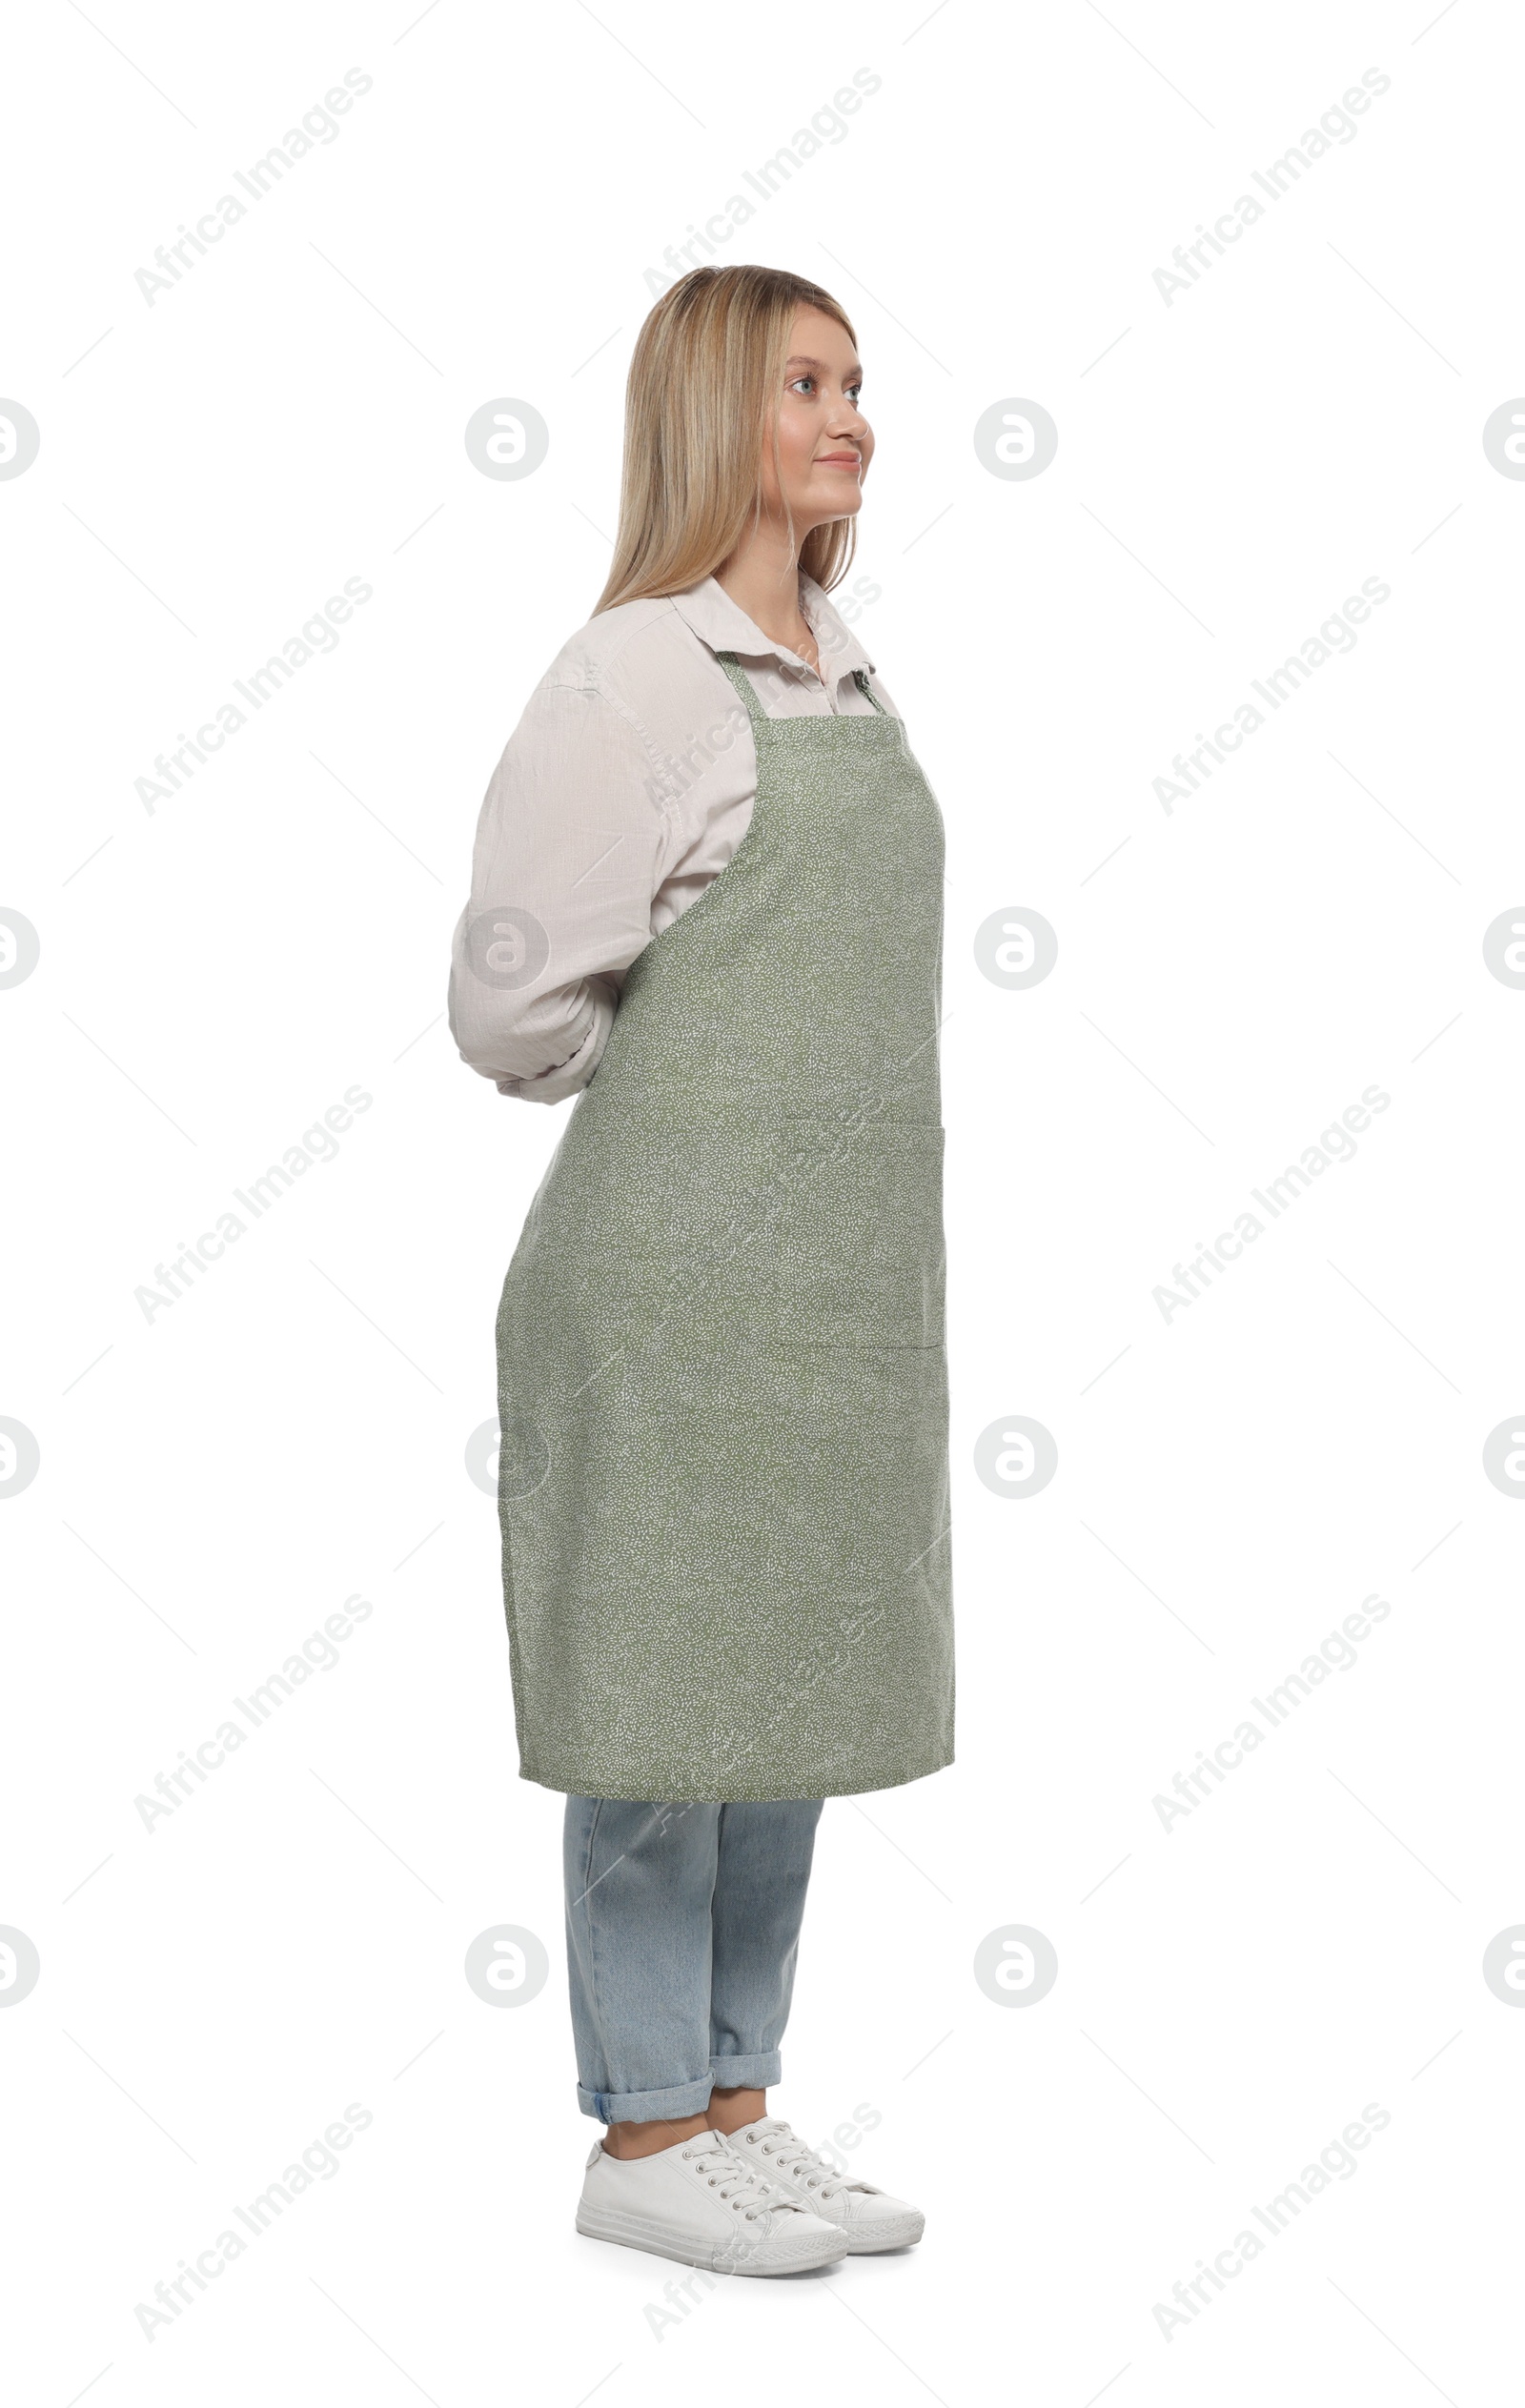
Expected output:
(840, 459)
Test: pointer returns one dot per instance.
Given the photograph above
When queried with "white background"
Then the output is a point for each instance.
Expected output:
(1232, 1482)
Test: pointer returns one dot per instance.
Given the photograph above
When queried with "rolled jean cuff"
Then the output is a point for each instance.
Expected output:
(648, 2107)
(760, 2073)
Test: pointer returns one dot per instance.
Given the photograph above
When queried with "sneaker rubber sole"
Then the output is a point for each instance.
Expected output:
(635, 2231)
(891, 2232)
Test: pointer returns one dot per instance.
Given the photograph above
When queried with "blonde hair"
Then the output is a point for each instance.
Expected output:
(700, 401)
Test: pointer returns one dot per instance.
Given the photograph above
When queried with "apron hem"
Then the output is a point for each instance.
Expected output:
(586, 1785)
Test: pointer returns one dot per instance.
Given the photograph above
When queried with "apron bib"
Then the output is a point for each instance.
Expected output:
(722, 1384)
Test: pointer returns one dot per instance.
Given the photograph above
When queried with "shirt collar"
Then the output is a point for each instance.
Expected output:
(722, 623)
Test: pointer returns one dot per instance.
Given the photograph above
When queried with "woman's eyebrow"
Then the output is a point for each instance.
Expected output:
(800, 360)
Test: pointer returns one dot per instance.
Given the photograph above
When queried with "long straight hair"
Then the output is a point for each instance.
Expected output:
(700, 400)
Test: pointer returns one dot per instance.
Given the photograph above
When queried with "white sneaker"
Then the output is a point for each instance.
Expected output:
(870, 2218)
(699, 2203)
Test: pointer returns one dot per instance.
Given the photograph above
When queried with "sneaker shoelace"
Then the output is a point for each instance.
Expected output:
(778, 2142)
(754, 2194)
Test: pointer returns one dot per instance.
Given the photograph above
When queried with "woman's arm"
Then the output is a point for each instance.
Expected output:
(563, 873)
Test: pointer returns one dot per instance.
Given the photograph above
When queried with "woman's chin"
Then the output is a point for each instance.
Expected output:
(825, 506)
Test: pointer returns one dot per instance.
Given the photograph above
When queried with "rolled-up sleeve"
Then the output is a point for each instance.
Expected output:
(563, 872)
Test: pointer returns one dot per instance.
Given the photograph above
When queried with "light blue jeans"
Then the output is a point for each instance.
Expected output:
(682, 1924)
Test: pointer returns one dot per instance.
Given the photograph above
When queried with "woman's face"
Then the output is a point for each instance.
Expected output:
(825, 441)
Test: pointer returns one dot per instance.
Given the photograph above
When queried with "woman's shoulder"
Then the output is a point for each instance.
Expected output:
(621, 647)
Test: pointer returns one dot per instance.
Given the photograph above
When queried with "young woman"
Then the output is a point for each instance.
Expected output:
(707, 898)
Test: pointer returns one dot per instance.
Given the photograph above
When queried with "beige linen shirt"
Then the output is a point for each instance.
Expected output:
(626, 786)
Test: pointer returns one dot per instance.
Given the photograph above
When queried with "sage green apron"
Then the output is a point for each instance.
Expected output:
(723, 1383)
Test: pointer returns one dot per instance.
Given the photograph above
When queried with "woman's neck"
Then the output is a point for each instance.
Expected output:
(762, 579)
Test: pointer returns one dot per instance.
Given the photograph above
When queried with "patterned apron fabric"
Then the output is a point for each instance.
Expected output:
(722, 1381)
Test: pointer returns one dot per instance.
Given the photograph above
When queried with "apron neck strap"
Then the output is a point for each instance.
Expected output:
(748, 692)
(744, 686)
